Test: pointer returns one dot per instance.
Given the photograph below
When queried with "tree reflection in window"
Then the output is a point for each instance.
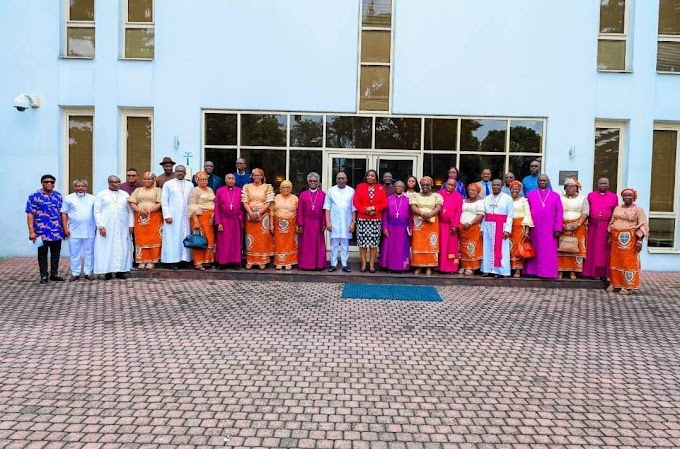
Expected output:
(263, 130)
(397, 133)
(483, 135)
(348, 131)
(306, 130)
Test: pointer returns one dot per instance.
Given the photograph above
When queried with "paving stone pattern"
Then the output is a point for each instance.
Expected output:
(147, 363)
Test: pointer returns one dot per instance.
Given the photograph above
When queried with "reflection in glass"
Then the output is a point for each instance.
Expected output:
(81, 10)
(661, 233)
(612, 13)
(606, 157)
(80, 42)
(436, 165)
(263, 130)
(611, 55)
(140, 11)
(397, 133)
(80, 131)
(273, 162)
(526, 136)
(374, 88)
(376, 13)
(399, 168)
(223, 158)
(303, 162)
(519, 166)
(354, 168)
(669, 17)
(440, 134)
(375, 46)
(668, 57)
(139, 143)
(483, 135)
(139, 43)
(663, 170)
(471, 166)
(306, 130)
(220, 129)
(348, 131)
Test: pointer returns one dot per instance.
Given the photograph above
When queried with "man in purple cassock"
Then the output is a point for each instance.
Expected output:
(229, 222)
(394, 249)
(602, 203)
(546, 211)
(311, 222)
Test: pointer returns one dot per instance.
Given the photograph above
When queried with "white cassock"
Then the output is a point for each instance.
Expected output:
(339, 202)
(499, 212)
(113, 253)
(175, 204)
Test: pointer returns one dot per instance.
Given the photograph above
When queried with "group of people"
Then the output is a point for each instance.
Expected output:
(485, 226)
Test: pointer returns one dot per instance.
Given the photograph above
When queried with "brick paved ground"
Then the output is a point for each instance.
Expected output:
(183, 364)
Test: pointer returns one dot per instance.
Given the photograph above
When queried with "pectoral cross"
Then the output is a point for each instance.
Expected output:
(231, 206)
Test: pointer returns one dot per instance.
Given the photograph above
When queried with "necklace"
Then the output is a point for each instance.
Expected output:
(313, 201)
(231, 197)
(401, 198)
(495, 200)
(543, 200)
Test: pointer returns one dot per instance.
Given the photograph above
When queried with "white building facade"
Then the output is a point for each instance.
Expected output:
(589, 87)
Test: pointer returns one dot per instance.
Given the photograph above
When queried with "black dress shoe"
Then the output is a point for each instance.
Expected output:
(486, 275)
(43, 279)
(108, 276)
(57, 278)
(74, 278)
(346, 270)
(174, 266)
(122, 276)
(89, 277)
(332, 269)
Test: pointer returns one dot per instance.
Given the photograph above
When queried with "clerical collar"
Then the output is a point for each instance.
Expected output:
(240, 172)
(313, 190)
(80, 194)
(341, 187)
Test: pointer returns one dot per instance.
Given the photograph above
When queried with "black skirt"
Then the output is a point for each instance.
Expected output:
(368, 232)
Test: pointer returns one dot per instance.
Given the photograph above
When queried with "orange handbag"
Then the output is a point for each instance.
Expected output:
(525, 250)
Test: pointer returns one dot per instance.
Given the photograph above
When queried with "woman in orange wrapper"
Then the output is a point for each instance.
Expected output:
(425, 208)
(520, 226)
(283, 224)
(257, 197)
(202, 215)
(470, 231)
(145, 201)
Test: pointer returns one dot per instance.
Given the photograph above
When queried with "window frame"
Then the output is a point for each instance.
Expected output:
(622, 126)
(66, 113)
(362, 64)
(136, 25)
(665, 38)
(68, 23)
(618, 37)
(675, 215)
(125, 113)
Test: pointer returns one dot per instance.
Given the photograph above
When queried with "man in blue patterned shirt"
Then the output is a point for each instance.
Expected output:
(44, 222)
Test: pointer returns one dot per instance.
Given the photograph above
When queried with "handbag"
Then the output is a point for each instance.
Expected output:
(525, 250)
(568, 244)
(195, 240)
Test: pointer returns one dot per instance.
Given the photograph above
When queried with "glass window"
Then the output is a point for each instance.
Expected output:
(669, 17)
(349, 131)
(441, 134)
(661, 233)
(220, 129)
(471, 166)
(611, 54)
(306, 130)
(80, 29)
(668, 57)
(354, 168)
(139, 30)
(519, 166)
(273, 162)
(375, 46)
(436, 165)
(483, 135)
(374, 94)
(80, 147)
(526, 136)
(397, 133)
(668, 50)
(664, 151)
(138, 143)
(303, 162)
(606, 158)
(263, 130)
(613, 37)
(223, 158)
(376, 13)
(612, 16)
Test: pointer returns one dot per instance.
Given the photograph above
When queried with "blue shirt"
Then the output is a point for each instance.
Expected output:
(243, 179)
(46, 208)
(531, 183)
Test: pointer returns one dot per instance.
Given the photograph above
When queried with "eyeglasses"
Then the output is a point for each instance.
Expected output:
(425, 184)
(48, 182)
(115, 182)
(202, 179)
(131, 176)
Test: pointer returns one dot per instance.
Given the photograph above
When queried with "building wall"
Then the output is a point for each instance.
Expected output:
(456, 57)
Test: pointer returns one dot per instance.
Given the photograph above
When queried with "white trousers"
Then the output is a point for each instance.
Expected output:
(81, 249)
(343, 246)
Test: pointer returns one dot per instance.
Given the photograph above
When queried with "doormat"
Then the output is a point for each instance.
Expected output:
(391, 292)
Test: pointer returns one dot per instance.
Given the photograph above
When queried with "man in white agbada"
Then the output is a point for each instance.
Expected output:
(115, 223)
(175, 204)
(77, 217)
(340, 220)
(496, 229)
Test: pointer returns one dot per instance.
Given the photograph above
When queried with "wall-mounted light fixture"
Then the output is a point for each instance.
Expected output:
(572, 152)
(175, 143)
(24, 101)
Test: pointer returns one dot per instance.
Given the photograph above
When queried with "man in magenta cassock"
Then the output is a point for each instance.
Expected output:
(602, 203)
(311, 222)
(546, 211)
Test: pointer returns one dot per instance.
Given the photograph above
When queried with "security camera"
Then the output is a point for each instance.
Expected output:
(23, 102)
